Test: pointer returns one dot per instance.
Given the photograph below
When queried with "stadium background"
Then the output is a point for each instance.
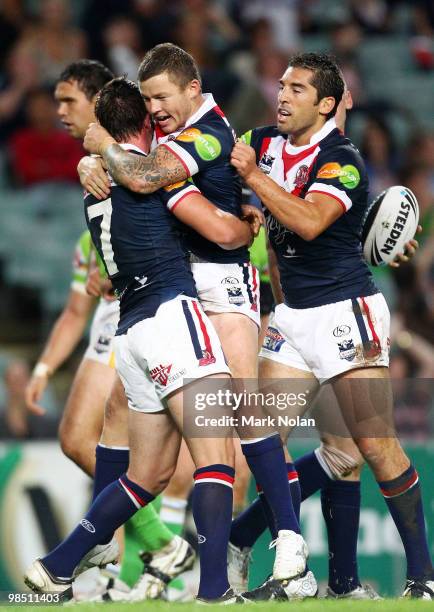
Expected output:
(386, 51)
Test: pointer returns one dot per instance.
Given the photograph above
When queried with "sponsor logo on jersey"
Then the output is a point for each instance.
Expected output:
(266, 162)
(347, 350)
(189, 135)
(160, 374)
(87, 525)
(207, 147)
(348, 175)
(301, 176)
(175, 186)
(273, 340)
(201, 539)
(341, 330)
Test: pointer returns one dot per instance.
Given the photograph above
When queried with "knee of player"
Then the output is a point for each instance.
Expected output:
(337, 463)
(374, 450)
(154, 481)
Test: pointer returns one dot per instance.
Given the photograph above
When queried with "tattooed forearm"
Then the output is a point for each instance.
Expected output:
(144, 174)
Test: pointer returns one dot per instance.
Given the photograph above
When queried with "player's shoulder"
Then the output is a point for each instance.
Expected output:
(257, 135)
(338, 147)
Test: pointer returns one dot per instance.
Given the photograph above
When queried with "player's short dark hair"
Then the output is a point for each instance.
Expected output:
(327, 76)
(169, 58)
(120, 109)
(90, 75)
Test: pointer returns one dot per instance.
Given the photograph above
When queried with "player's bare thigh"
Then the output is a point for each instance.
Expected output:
(154, 447)
(82, 420)
(275, 377)
(366, 401)
(115, 430)
(239, 338)
(205, 450)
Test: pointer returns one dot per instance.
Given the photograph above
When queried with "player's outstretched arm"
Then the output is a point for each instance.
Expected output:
(292, 212)
(214, 224)
(64, 337)
(138, 173)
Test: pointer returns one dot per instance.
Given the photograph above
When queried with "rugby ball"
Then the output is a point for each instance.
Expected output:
(391, 221)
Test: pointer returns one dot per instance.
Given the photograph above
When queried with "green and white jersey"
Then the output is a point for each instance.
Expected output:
(85, 256)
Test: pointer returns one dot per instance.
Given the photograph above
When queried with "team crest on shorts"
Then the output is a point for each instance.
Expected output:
(347, 350)
(235, 295)
(160, 374)
(273, 340)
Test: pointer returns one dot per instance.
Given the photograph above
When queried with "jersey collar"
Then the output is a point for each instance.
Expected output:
(208, 104)
(130, 147)
(328, 127)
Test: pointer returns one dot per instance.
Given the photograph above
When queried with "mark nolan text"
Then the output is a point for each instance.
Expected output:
(252, 421)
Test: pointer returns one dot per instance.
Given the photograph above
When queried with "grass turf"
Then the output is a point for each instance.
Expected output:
(389, 605)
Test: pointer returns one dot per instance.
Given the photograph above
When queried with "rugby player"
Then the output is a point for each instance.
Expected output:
(315, 198)
(163, 337)
(95, 382)
(194, 139)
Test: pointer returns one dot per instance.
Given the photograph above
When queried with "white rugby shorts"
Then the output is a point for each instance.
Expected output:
(331, 339)
(155, 355)
(102, 331)
(228, 288)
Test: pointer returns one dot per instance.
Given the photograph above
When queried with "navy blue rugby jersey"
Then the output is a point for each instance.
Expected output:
(204, 147)
(139, 241)
(331, 267)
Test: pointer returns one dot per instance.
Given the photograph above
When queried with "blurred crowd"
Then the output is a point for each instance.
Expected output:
(242, 48)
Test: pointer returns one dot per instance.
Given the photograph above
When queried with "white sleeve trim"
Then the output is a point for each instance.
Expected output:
(79, 287)
(175, 199)
(187, 160)
(339, 194)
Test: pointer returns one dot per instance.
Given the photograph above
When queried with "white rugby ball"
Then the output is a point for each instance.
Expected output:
(391, 221)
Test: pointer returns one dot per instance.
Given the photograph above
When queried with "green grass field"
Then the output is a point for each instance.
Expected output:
(390, 605)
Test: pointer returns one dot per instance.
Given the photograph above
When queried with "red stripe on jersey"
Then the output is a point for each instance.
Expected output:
(139, 500)
(293, 475)
(159, 132)
(398, 490)
(182, 198)
(178, 157)
(331, 195)
(375, 337)
(219, 111)
(258, 488)
(217, 475)
(209, 358)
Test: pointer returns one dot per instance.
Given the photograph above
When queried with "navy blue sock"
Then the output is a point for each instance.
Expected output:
(266, 461)
(249, 525)
(311, 475)
(112, 508)
(340, 503)
(212, 513)
(294, 486)
(110, 464)
(403, 498)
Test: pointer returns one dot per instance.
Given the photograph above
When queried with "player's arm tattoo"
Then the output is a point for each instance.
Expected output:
(144, 174)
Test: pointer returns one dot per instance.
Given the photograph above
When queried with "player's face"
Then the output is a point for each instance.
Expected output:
(169, 104)
(299, 112)
(74, 109)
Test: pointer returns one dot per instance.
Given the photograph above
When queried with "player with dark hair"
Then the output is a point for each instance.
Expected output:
(334, 323)
(81, 429)
(163, 337)
(193, 138)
